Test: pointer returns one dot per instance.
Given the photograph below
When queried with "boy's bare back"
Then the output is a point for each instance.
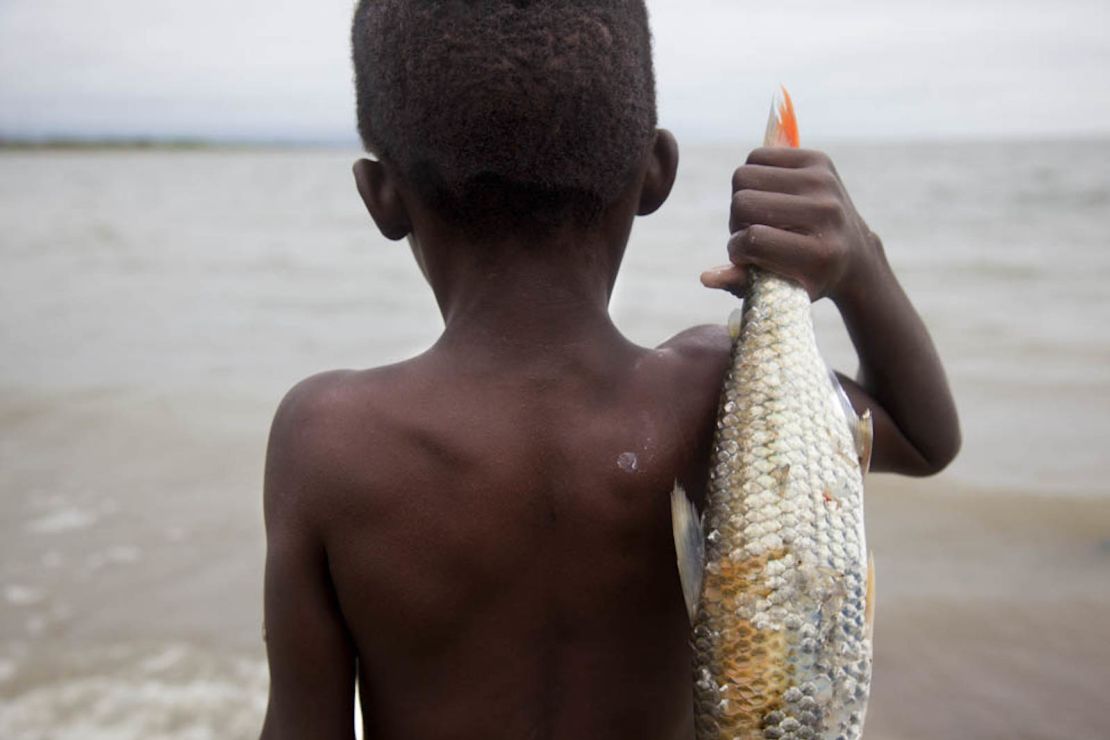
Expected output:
(498, 539)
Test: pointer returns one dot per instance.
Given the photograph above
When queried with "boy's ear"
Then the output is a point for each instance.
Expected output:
(379, 190)
(659, 176)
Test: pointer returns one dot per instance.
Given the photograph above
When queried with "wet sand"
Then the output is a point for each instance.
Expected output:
(993, 615)
(126, 619)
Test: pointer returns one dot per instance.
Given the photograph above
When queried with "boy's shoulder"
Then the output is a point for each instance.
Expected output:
(704, 341)
(702, 352)
(320, 409)
(342, 429)
(315, 413)
(327, 412)
(697, 360)
(322, 432)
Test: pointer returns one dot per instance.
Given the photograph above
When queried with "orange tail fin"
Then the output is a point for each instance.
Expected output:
(782, 127)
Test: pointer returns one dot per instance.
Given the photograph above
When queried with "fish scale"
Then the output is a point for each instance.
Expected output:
(776, 572)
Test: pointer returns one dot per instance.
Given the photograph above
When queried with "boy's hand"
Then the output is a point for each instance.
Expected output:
(792, 216)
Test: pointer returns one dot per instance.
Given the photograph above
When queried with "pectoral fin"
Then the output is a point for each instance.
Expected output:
(862, 428)
(689, 545)
(735, 324)
(865, 439)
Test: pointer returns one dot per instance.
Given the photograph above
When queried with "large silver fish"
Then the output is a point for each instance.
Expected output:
(776, 573)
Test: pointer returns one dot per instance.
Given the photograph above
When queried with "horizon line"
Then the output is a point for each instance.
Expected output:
(186, 141)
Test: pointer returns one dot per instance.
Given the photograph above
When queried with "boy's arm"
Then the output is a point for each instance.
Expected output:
(791, 215)
(312, 660)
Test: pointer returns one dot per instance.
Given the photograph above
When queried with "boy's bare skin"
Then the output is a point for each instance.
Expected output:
(483, 532)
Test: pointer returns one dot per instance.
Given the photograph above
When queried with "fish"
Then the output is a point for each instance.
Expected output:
(776, 574)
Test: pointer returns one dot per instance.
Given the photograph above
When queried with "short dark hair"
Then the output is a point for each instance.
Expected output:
(533, 109)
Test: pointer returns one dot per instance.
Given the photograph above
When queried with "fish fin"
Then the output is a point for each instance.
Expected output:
(782, 125)
(771, 136)
(689, 545)
(862, 427)
(869, 608)
(735, 322)
(845, 404)
(865, 440)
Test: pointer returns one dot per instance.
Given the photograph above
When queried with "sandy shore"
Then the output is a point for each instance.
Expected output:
(132, 577)
(993, 615)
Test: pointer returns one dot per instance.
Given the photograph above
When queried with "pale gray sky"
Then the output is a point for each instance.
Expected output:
(278, 69)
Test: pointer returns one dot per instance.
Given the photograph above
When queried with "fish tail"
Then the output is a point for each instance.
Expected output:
(689, 544)
(782, 126)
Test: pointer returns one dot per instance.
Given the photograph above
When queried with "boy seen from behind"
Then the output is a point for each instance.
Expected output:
(480, 535)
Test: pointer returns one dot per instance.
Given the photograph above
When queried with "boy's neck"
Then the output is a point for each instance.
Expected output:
(528, 302)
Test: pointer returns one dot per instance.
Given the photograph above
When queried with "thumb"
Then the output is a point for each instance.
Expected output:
(732, 278)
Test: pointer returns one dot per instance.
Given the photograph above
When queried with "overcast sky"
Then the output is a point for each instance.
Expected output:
(279, 69)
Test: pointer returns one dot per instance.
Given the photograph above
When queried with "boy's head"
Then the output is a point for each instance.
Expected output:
(507, 113)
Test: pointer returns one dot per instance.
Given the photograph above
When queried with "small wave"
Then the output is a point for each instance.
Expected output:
(116, 555)
(168, 658)
(18, 595)
(64, 520)
(173, 692)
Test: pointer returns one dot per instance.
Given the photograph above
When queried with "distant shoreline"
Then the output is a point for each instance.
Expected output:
(156, 144)
(78, 143)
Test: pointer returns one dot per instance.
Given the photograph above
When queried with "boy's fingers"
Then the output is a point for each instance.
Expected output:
(777, 156)
(781, 210)
(796, 256)
(771, 179)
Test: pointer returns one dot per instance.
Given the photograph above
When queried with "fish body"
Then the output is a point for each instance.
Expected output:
(776, 573)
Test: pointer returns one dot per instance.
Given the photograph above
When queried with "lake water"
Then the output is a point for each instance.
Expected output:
(240, 272)
(156, 305)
